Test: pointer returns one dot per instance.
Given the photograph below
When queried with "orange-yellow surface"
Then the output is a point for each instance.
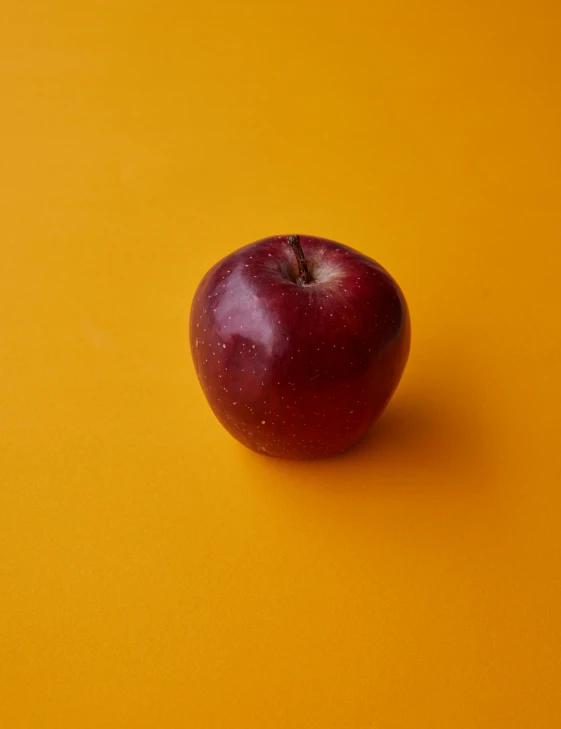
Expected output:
(153, 572)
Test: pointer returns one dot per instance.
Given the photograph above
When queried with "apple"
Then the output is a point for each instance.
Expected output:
(298, 343)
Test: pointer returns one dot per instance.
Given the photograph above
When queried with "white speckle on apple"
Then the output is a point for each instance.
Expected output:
(262, 422)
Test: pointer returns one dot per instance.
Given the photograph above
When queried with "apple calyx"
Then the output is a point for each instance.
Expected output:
(304, 275)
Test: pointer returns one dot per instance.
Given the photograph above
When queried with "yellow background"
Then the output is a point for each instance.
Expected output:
(154, 573)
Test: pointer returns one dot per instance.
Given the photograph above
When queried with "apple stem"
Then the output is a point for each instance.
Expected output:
(304, 275)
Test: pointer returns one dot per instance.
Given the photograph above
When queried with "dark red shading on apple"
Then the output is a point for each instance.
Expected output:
(298, 343)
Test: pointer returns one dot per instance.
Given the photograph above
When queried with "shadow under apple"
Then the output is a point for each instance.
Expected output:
(432, 437)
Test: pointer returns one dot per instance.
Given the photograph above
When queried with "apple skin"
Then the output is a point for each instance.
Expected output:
(298, 370)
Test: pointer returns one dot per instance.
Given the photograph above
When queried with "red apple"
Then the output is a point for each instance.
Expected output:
(299, 343)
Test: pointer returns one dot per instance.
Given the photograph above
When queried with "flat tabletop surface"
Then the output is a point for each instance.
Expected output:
(155, 573)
